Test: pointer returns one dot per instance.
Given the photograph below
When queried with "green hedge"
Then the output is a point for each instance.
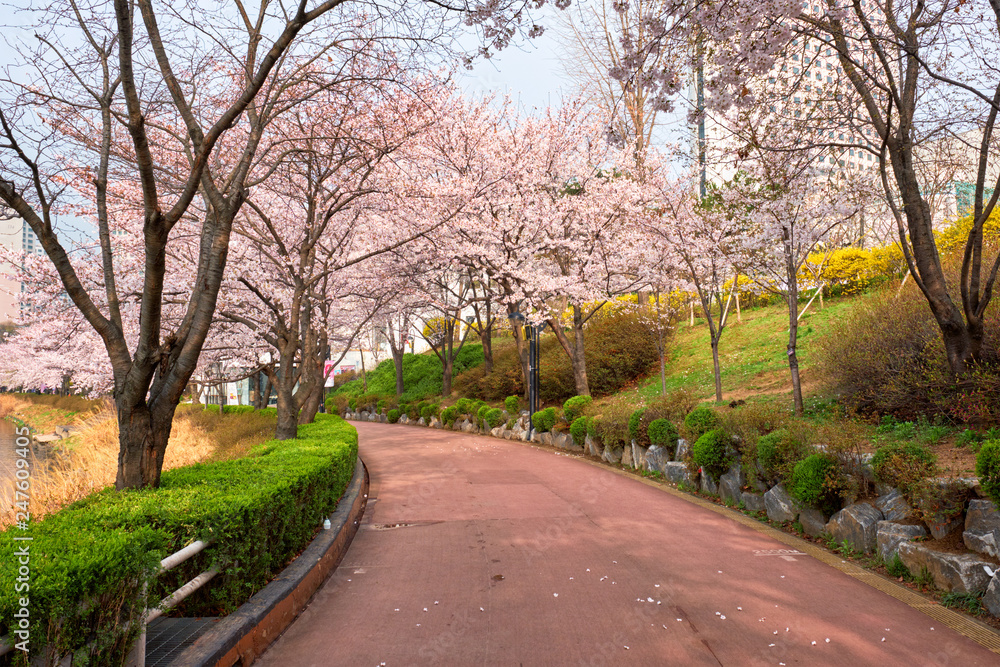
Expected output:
(544, 420)
(260, 511)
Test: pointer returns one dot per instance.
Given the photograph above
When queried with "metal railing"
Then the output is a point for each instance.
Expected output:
(137, 658)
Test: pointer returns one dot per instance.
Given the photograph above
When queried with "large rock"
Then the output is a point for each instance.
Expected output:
(812, 521)
(679, 473)
(709, 485)
(656, 458)
(959, 573)
(436, 423)
(991, 599)
(731, 485)
(982, 528)
(682, 449)
(497, 432)
(638, 456)
(753, 501)
(592, 447)
(364, 416)
(942, 503)
(780, 506)
(627, 456)
(858, 525)
(889, 535)
(893, 506)
(612, 454)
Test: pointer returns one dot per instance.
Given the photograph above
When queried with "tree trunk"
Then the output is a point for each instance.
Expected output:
(793, 359)
(288, 418)
(397, 361)
(447, 365)
(486, 337)
(717, 369)
(307, 415)
(143, 436)
(574, 351)
(522, 354)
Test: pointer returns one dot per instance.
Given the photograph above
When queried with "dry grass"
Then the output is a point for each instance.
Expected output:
(88, 461)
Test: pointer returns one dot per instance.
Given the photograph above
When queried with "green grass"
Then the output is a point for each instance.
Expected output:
(422, 374)
(751, 353)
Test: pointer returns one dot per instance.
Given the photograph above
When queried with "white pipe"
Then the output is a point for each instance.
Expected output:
(175, 559)
(174, 598)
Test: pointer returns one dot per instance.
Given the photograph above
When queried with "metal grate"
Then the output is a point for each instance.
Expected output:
(167, 637)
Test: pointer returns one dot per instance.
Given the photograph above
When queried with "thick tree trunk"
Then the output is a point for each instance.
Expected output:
(143, 436)
(307, 415)
(793, 359)
(447, 367)
(288, 418)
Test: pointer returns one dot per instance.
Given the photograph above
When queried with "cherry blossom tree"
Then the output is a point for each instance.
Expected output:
(174, 99)
(913, 73)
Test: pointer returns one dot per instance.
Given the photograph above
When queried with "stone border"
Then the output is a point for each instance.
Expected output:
(244, 635)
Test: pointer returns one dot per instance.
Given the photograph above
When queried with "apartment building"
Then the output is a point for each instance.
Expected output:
(15, 235)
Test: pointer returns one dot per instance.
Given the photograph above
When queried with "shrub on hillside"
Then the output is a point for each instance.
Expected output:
(710, 453)
(638, 426)
(663, 433)
(886, 356)
(578, 429)
(544, 420)
(698, 422)
(778, 452)
(393, 416)
(816, 481)
(612, 426)
(574, 407)
(903, 465)
(618, 348)
(464, 406)
(481, 412)
(512, 404)
(429, 412)
(413, 411)
(674, 406)
(988, 469)
(493, 417)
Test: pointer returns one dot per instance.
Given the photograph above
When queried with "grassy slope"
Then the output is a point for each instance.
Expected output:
(751, 353)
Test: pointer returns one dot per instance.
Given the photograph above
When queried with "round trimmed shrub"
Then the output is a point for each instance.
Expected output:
(512, 404)
(393, 416)
(481, 412)
(988, 469)
(635, 428)
(449, 415)
(380, 406)
(429, 412)
(709, 453)
(353, 403)
(578, 429)
(464, 406)
(778, 452)
(573, 407)
(903, 465)
(413, 411)
(663, 433)
(593, 424)
(814, 482)
(700, 421)
(493, 417)
(544, 420)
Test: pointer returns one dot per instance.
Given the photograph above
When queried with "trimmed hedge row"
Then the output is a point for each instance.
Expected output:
(259, 511)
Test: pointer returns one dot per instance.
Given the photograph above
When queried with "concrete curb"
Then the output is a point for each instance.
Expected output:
(244, 635)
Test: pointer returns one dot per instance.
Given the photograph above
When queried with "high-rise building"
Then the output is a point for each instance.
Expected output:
(15, 235)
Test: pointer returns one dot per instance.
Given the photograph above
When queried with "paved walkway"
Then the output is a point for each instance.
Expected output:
(479, 551)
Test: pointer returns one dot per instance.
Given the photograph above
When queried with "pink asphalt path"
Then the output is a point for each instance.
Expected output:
(479, 551)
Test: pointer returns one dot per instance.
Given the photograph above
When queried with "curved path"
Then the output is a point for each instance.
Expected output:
(479, 551)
